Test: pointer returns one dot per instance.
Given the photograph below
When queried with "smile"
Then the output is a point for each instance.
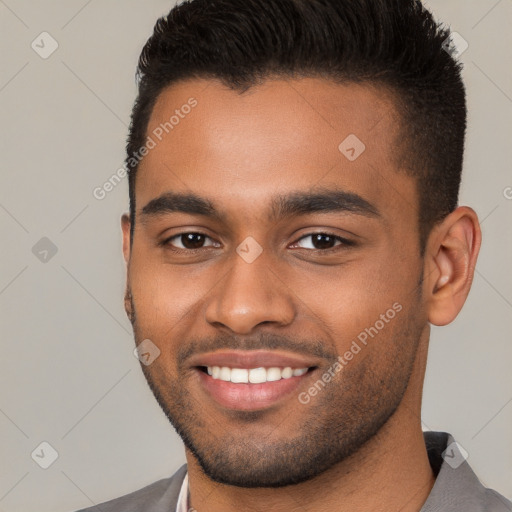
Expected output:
(251, 380)
(253, 375)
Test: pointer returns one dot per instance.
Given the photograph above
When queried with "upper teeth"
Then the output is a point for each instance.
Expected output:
(254, 375)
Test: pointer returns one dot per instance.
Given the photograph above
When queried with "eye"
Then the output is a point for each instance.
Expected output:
(188, 241)
(324, 241)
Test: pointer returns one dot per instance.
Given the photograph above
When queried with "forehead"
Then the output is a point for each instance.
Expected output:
(239, 149)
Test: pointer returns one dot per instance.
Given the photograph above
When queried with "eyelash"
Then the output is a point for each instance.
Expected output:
(344, 242)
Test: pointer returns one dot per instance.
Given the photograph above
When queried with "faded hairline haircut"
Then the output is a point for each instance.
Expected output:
(393, 44)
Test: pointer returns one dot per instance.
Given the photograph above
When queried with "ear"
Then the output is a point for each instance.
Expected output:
(450, 260)
(125, 226)
(128, 304)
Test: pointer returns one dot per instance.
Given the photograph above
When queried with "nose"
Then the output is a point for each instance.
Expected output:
(250, 294)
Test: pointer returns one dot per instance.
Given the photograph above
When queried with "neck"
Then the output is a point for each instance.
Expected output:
(389, 472)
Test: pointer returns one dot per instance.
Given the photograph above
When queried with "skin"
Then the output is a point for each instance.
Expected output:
(359, 441)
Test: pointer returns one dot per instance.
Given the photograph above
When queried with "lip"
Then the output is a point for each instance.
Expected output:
(252, 359)
(249, 397)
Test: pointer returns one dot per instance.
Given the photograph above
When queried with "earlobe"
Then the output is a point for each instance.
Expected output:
(125, 226)
(452, 255)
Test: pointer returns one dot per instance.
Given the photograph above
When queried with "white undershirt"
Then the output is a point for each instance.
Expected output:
(182, 505)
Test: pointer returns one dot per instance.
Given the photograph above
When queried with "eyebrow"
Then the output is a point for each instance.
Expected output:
(281, 206)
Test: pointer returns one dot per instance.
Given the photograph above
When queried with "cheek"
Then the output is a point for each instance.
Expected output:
(368, 302)
(165, 297)
(355, 295)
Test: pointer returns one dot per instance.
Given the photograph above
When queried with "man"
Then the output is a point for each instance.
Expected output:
(293, 232)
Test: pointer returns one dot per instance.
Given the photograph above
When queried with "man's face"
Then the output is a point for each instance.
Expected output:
(261, 280)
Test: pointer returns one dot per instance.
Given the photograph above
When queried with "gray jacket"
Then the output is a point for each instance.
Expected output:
(457, 488)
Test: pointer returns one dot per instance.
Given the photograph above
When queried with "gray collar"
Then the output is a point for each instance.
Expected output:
(456, 489)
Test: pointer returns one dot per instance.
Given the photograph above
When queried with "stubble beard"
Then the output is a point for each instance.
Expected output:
(335, 424)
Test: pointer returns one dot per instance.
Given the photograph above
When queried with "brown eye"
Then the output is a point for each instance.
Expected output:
(323, 241)
(192, 240)
(187, 241)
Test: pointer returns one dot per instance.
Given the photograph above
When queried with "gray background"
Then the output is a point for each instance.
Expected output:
(68, 375)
